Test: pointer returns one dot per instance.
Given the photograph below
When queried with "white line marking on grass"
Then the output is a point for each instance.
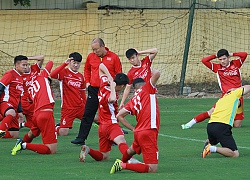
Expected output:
(181, 138)
(197, 140)
(191, 111)
(173, 137)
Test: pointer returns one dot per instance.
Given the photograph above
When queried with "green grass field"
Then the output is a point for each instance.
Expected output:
(179, 151)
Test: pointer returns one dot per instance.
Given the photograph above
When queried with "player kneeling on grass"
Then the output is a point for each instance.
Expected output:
(109, 130)
(144, 105)
(221, 122)
(43, 118)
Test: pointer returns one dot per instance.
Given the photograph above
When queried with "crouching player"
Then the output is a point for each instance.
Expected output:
(43, 118)
(144, 105)
(109, 130)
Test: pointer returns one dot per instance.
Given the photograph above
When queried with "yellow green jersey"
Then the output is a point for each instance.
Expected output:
(226, 107)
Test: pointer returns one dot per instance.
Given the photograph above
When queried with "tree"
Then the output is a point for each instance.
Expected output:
(22, 2)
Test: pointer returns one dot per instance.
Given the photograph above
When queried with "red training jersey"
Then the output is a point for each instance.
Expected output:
(13, 83)
(144, 105)
(91, 68)
(107, 111)
(27, 81)
(228, 77)
(72, 87)
(143, 71)
(41, 92)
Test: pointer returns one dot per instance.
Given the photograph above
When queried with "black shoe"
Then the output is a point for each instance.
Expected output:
(124, 131)
(58, 124)
(78, 141)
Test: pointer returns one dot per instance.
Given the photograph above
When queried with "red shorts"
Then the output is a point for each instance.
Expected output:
(44, 123)
(4, 106)
(28, 111)
(68, 116)
(107, 134)
(145, 142)
(240, 110)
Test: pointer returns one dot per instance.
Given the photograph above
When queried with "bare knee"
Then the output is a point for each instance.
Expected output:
(52, 148)
(153, 168)
(14, 134)
(237, 123)
(105, 156)
(63, 131)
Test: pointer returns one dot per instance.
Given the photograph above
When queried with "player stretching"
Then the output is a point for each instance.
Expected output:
(221, 122)
(144, 105)
(11, 87)
(43, 118)
(109, 130)
(140, 68)
(72, 86)
(229, 76)
(30, 73)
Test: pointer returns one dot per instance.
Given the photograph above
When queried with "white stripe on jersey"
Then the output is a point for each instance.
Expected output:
(51, 100)
(61, 91)
(6, 93)
(153, 110)
(112, 112)
(219, 82)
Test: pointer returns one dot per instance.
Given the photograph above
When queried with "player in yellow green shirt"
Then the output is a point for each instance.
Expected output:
(221, 122)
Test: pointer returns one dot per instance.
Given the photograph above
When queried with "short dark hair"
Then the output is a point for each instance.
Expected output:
(19, 58)
(130, 53)
(76, 56)
(222, 52)
(121, 79)
(137, 81)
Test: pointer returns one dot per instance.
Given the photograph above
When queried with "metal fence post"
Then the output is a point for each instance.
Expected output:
(187, 44)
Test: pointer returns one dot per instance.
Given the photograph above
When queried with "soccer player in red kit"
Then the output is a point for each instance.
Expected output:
(30, 73)
(109, 130)
(73, 97)
(11, 88)
(43, 118)
(140, 68)
(229, 77)
(100, 54)
(144, 105)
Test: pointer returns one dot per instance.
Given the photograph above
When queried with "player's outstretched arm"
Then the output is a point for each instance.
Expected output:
(242, 55)
(125, 95)
(39, 58)
(152, 52)
(104, 70)
(112, 97)
(55, 74)
(155, 76)
(125, 123)
(121, 118)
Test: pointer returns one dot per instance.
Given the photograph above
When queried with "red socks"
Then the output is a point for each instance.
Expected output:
(38, 148)
(27, 139)
(7, 135)
(140, 168)
(126, 157)
(96, 155)
(123, 147)
(201, 117)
